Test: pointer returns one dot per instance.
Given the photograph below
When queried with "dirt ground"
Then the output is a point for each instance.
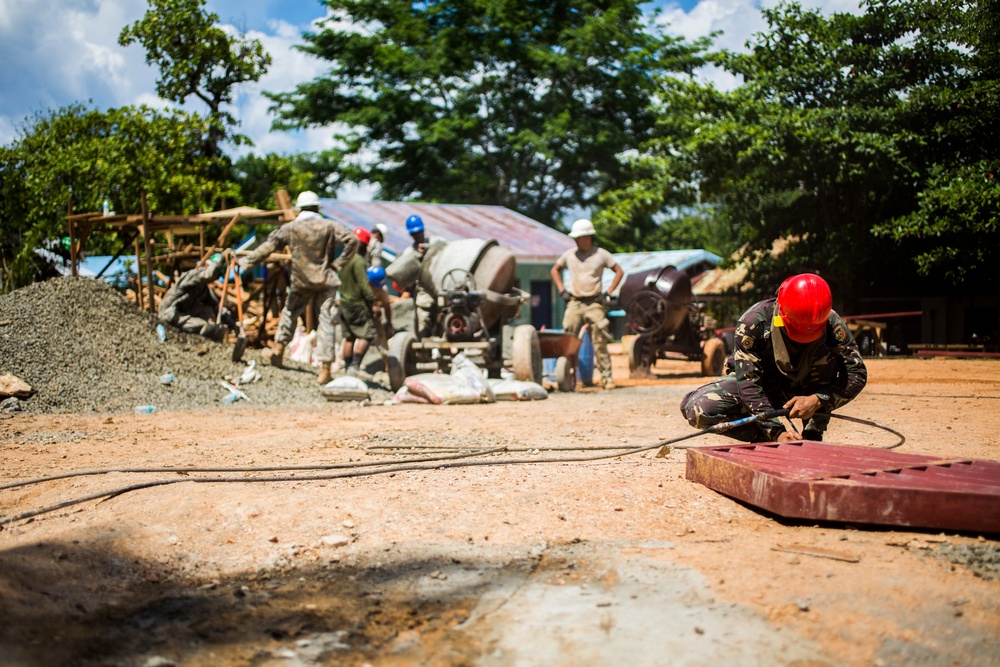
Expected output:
(619, 561)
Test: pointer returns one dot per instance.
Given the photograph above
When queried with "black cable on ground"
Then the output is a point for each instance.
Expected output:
(383, 467)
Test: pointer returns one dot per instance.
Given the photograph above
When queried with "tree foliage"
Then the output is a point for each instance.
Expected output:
(260, 177)
(195, 57)
(84, 157)
(520, 104)
(863, 140)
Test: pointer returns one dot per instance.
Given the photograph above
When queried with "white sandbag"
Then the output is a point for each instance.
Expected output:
(439, 388)
(345, 388)
(518, 390)
(463, 367)
(302, 346)
(404, 395)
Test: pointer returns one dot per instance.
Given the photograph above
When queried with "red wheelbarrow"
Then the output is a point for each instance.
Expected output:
(564, 348)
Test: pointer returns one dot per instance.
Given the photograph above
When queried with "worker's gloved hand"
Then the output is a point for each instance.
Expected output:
(603, 298)
(566, 295)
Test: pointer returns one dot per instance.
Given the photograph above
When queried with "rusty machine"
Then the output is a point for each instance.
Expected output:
(470, 283)
(670, 324)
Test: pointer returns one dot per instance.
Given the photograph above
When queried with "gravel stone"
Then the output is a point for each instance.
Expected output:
(84, 348)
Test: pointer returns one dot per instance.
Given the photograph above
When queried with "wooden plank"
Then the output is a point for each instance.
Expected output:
(147, 240)
(927, 492)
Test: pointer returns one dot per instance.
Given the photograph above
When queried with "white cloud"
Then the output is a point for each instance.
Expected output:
(738, 21)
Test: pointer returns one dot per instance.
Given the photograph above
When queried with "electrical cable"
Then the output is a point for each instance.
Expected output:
(384, 467)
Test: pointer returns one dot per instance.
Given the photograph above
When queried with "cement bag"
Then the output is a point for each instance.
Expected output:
(345, 388)
(518, 390)
(302, 346)
(439, 388)
(463, 367)
(405, 396)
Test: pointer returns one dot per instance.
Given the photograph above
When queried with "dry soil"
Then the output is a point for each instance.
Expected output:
(619, 561)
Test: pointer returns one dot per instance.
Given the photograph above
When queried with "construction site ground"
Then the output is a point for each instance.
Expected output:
(619, 561)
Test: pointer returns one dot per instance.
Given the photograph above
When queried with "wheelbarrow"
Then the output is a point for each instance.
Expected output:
(564, 347)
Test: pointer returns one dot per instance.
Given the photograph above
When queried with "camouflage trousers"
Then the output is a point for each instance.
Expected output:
(199, 320)
(719, 401)
(579, 313)
(324, 305)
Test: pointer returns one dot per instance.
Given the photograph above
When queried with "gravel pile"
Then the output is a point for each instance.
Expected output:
(84, 348)
(982, 559)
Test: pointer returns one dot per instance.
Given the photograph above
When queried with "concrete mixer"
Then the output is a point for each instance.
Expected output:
(670, 324)
(471, 283)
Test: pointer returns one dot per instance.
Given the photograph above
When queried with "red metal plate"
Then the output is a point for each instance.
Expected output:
(822, 481)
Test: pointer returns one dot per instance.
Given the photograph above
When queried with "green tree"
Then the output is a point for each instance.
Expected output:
(846, 138)
(195, 57)
(259, 177)
(85, 156)
(522, 104)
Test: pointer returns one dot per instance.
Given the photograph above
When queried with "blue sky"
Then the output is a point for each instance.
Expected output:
(56, 52)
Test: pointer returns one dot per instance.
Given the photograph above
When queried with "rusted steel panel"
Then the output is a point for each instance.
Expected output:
(821, 481)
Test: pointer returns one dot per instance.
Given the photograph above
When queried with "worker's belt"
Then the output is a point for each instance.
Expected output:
(586, 300)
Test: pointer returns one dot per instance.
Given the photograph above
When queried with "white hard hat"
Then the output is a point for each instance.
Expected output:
(582, 227)
(382, 228)
(307, 198)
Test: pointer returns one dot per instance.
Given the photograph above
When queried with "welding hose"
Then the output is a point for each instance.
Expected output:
(382, 467)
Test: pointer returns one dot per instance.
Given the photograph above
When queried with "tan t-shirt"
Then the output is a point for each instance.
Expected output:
(586, 270)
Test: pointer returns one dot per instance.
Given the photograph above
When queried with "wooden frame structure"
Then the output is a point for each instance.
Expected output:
(184, 242)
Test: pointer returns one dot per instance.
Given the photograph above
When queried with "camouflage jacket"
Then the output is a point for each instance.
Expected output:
(190, 290)
(831, 367)
(312, 240)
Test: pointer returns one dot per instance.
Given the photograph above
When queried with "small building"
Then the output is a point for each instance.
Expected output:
(535, 246)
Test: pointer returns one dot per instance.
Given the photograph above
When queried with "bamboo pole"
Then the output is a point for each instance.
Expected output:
(146, 233)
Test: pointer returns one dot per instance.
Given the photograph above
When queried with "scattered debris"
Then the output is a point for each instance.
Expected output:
(817, 552)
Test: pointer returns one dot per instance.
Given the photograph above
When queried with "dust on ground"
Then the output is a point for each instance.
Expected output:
(613, 561)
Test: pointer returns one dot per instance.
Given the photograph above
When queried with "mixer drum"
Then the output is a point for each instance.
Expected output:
(492, 268)
(659, 300)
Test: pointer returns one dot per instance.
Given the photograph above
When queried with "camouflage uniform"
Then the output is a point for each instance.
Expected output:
(767, 369)
(191, 306)
(312, 240)
(374, 255)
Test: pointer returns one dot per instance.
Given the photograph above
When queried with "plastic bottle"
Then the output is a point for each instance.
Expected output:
(144, 409)
(167, 378)
(230, 398)
(161, 333)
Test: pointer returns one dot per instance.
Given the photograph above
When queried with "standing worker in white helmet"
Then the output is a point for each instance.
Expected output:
(312, 240)
(584, 296)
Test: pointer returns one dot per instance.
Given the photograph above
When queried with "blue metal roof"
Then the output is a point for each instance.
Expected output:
(529, 240)
(636, 262)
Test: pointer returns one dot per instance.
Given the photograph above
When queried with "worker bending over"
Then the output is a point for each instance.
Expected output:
(792, 351)
(191, 306)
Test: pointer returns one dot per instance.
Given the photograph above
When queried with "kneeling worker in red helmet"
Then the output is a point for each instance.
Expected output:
(792, 351)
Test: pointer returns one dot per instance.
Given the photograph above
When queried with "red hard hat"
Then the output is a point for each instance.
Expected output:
(804, 303)
(363, 235)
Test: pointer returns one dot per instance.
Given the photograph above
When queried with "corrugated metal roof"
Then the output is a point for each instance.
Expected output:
(529, 240)
(637, 262)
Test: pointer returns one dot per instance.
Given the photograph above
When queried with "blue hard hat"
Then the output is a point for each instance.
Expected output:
(376, 276)
(414, 224)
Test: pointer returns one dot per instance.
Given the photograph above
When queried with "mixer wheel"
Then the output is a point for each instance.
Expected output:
(527, 354)
(402, 359)
(713, 358)
(646, 311)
